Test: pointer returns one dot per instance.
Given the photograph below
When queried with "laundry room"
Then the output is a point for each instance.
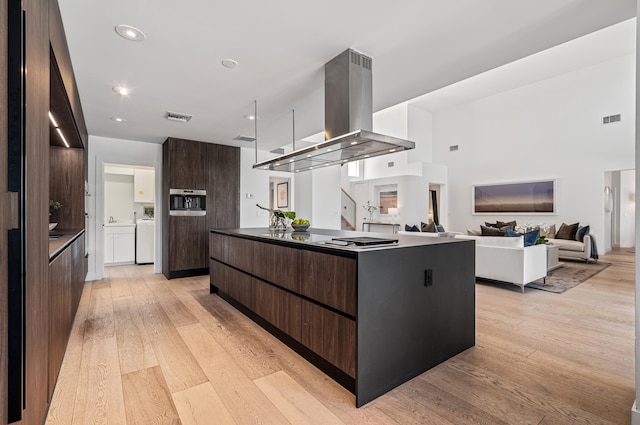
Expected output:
(129, 219)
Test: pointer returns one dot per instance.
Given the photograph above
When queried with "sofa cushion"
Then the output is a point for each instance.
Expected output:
(430, 227)
(530, 237)
(568, 245)
(486, 223)
(512, 224)
(581, 232)
(567, 231)
(490, 231)
(498, 241)
(473, 232)
(549, 233)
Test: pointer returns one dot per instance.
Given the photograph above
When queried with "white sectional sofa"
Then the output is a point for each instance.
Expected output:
(504, 258)
(574, 249)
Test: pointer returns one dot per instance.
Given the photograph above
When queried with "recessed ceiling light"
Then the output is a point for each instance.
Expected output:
(392, 150)
(250, 117)
(121, 90)
(118, 119)
(354, 143)
(130, 33)
(229, 63)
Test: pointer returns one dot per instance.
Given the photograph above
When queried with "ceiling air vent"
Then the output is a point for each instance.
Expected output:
(278, 151)
(244, 139)
(175, 116)
(611, 119)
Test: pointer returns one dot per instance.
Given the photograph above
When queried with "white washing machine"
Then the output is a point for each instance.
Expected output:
(145, 243)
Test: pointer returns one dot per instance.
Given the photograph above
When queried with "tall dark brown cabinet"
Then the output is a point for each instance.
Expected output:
(31, 33)
(195, 165)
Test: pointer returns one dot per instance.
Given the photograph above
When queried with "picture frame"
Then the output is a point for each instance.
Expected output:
(282, 195)
(527, 197)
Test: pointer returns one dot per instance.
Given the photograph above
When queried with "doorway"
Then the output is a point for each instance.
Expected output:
(128, 212)
(280, 194)
(619, 209)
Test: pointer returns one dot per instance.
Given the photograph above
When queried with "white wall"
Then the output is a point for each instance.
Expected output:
(118, 197)
(101, 150)
(254, 189)
(325, 198)
(550, 129)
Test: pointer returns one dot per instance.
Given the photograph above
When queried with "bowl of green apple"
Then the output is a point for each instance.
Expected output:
(300, 225)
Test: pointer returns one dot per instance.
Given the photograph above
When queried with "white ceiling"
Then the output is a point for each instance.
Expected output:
(417, 46)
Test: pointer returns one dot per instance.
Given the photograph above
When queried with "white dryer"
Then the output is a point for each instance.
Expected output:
(145, 241)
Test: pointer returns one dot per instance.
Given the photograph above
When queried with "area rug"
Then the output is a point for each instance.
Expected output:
(570, 275)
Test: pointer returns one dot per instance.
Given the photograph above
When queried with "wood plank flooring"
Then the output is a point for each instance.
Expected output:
(144, 350)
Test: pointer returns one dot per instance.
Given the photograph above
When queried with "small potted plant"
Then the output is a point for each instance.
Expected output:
(53, 206)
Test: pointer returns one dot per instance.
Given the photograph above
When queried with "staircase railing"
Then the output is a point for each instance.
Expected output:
(348, 209)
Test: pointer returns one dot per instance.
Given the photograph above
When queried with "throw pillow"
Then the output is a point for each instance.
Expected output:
(413, 228)
(431, 227)
(473, 232)
(491, 231)
(567, 231)
(511, 224)
(512, 233)
(486, 223)
(439, 228)
(531, 237)
(549, 233)
(581, 232)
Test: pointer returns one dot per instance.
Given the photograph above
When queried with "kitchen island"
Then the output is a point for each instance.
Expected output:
(371, 317)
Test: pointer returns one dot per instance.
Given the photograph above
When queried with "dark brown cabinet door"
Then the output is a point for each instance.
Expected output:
(66, 281)
(329, 279)
(188, 243)
(239, 253)
(330, 335)
(277, 264)
(279, 308)
(187, 164)
(223, 187)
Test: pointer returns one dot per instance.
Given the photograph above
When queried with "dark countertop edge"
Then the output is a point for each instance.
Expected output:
(67, 237)
(406, 241)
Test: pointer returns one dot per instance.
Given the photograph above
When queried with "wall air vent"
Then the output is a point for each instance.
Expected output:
(175, 116)
(453, 148)
(611, 119)
(244, 139)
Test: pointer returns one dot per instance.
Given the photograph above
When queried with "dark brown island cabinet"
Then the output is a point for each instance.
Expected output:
(197, 166)
(370, 317)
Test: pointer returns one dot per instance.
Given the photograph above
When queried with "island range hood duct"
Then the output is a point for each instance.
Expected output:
(348, 111)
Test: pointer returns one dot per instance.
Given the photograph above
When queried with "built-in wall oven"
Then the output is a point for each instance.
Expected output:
(187, 202)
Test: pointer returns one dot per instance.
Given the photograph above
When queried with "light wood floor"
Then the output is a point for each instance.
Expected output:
(145, 350)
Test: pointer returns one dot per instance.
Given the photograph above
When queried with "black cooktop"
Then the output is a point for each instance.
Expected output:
(367, 241)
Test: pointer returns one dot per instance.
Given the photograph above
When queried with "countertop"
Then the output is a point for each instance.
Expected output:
(59, 239)
(318, 239)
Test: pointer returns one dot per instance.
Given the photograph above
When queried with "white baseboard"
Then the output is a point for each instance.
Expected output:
(91, 276)
(635, 414)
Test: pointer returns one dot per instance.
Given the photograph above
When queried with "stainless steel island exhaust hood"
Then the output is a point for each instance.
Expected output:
(348, 111)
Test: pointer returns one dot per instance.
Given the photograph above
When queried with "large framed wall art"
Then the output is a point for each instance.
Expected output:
(532, 197)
